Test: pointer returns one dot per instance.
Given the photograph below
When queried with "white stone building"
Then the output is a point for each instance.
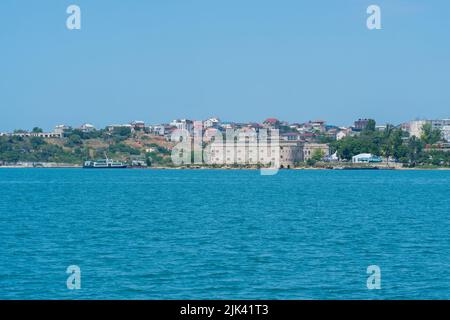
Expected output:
(283, 154)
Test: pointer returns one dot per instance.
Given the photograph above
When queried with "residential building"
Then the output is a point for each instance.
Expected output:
(87, 127)
(308, 136)
(331, 132)
(159, 130)
(404, 126)
(316, 125)
(183, 124)
(440, 124)
(291, 136)
(211, 123)
(361, 124)
(138, 125)
(254, 125)
(343, 132)
(444, 126)
(271, 123)
(446, 133)
(61, 128)
(415, 128)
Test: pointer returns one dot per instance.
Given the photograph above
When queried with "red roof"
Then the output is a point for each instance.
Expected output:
(271, 120)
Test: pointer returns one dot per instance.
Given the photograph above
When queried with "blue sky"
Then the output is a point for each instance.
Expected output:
(241, 60)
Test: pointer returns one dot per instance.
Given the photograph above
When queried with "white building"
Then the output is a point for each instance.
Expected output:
(183, 124)
(341, 135)
(138, 125)
(253, 153)
(87, 127)
(344, 132)
(37, 134)
(444, 126)
(440, 124)
(415, 128)
(285, 154)
(365, 158)
(59, 129)
(446, 133)
(158, 130)
(211, 123)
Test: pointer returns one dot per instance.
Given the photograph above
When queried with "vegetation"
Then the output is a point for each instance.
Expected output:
(317, 156)
(35, 149)
(395, 145)
(430, 135)
(77, 146)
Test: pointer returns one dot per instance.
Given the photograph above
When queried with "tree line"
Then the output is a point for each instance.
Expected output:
(395, 144)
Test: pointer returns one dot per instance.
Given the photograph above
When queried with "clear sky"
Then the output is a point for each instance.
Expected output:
(240, 60)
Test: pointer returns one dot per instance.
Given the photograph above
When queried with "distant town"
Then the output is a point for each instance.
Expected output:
(315, 143)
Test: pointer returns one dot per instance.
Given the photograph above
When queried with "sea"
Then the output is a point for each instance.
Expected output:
(224, 234)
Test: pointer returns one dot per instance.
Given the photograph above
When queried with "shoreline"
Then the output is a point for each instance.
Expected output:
(340, 168)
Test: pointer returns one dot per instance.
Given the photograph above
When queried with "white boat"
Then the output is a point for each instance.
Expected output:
(104, 164)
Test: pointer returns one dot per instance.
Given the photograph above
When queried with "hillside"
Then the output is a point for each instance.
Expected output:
(76, 147)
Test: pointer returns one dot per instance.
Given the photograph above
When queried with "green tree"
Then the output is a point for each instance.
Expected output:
(74, 140)
(430, 135)
(318, 155)
(122, 132)
(371, 125)
(396, 142)
(36, 142)
(148, 161)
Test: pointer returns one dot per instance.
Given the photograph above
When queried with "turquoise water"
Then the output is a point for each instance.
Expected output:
(186, 234)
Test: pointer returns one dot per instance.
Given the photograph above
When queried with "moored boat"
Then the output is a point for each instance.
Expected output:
(104, 164)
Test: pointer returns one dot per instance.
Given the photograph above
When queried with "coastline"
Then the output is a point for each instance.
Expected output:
(344, 168)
